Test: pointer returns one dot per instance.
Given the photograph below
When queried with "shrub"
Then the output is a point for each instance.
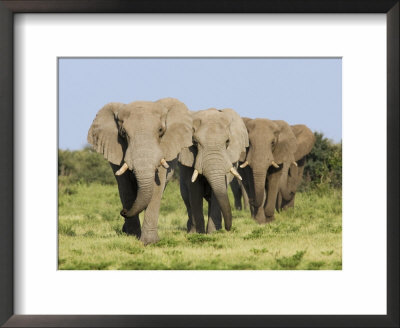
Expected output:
(85, 166)
(324, 165)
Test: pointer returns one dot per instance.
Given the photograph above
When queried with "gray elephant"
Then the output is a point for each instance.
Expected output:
(141, 140)
(239, 192)
(272, 143)
(219, 141)
(293, 172)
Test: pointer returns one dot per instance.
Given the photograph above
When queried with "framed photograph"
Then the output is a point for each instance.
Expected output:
(79, 84)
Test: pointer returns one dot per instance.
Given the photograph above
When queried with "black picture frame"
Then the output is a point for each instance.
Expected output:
(7, 10)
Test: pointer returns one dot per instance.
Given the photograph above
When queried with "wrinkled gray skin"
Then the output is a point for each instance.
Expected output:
(269, 141)
(292, 174)
(140, 134)
(239, 192)
(219, 139)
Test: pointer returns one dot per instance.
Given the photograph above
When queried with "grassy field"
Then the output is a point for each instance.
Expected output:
(308, 237)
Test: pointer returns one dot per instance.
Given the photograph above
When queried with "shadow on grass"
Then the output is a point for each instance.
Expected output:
(166, 242)
(290, 262)
(199, 239)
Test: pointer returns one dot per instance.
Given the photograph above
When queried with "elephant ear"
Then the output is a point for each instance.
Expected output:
(178, 128)
(187, 156)
(305, 140)
(246, 120)
(286, 145)
(238, 137)
(103, 134)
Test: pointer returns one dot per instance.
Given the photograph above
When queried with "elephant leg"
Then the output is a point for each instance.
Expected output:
(185, 196)
(196, 193)
(237, 194)
(247, 186)
(150, 222)
(127, 188)
(245, 197)
(214, 215)
(273, 187)
(278, 206)
(259, 213)
(131, 226)
(288, 204)
(252, 211)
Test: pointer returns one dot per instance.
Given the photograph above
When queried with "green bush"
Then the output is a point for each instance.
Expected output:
(323, 167)
(85, 166)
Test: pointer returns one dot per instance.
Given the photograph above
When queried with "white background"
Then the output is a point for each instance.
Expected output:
(360, 288)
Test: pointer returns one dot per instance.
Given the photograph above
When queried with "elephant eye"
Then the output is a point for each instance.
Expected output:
(227, 143)
(160, 131)
(194, 141)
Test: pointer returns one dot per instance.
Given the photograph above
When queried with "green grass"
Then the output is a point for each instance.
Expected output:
(307, 237)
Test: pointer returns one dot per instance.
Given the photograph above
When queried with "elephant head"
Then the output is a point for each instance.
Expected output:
(272, 143)
(141, 136)
(219, 141)
(305, 140)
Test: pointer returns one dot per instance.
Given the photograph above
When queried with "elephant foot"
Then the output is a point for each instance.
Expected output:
(200, 228)
(261, 220)
(211, 226)
(288, 205)
(132, 227)
(264, 219)
(269, 219)
(211, 229)
(149, 237)
(190, 227)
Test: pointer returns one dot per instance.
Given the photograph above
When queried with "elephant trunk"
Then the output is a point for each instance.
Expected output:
(217, 181)
(286, 193)
(288, 182)
(145, 182)
(259, 176)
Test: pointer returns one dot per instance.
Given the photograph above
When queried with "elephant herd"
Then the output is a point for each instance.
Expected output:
(144, 141)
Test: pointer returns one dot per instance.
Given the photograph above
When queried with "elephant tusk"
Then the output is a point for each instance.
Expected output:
(275, 165)
(244, 165)
(235, 173)
(194, 176)
(294, 163)
(164, 163)
(122, 169)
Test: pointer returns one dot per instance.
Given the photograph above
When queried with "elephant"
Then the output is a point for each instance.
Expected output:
(239, 192)
(293, 172)
(271, 145)
(219, 141)
(141, 140)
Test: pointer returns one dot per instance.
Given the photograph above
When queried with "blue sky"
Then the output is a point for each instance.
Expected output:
(299, 91)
